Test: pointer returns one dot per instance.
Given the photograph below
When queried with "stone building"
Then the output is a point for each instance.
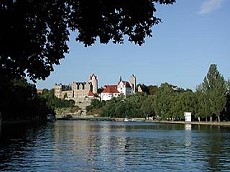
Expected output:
(77, 90)
(83, 92)
(133, 83)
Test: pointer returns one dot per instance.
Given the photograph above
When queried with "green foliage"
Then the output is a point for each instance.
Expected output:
(228, 85)
(20, 100)
(203, 104)
(95, 107)
(184, 101)
(169, 102)
(54, 102)
(227, 109)
(215, 90)
(95, 104)
(152, 89)
(164, 101)
(147, 106)
(34, 34)
(121, 107)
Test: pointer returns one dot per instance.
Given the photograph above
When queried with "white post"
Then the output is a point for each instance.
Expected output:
(188, 116)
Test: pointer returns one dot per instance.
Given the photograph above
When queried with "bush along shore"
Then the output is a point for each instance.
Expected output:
(209, 102)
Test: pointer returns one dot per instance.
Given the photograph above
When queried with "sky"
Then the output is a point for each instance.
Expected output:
(192, 35)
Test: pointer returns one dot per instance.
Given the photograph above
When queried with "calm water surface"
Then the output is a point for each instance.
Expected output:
(114, 146)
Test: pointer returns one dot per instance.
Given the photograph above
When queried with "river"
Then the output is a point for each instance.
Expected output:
(114, 146)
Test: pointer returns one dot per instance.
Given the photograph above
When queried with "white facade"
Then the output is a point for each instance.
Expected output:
(108, 96)
(109, 92)
(124, 88)
(188, 116)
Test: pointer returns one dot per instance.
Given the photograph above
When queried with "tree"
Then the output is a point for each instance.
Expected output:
(164, 100)
(147, 107)
(202, 109)
(215, 89)
(95, 106)
(19, 100)
(34, 32)
(228, 85)
(152, 89)
(183, 101)
(227, 108)
(188, 101)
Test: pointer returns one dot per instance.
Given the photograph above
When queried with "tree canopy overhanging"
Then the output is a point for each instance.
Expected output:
(34, 33)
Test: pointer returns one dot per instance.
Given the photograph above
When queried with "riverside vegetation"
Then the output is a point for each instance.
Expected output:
(210, 101)
(34, 36)
(20, 101)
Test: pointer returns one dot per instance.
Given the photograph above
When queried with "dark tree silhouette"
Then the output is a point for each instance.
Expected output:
(33, 33)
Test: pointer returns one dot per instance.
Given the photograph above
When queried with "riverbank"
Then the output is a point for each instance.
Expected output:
(92, 118)
(224, 123)
(21, 122)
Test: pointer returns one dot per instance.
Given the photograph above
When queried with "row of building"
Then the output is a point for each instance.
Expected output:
(80, 91)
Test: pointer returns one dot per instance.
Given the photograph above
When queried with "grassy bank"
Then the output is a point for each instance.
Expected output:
(197, 123)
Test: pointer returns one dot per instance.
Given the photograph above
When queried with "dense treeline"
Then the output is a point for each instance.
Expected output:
(20, 101)
(210, 101)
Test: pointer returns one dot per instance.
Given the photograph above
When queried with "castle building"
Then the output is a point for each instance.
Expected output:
(77, 90)
(122, 88)
(84, 91)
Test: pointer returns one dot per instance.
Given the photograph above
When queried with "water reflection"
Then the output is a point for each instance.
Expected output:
(116, 146)
(188, 137)
(188, 127)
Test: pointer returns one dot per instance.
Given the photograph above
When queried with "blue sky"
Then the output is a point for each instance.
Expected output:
(193, 35)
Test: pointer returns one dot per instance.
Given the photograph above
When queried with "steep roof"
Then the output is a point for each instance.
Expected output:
(93, 75)
(110, 89)
(125, 83)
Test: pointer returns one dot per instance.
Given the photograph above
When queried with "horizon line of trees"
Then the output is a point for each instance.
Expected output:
(210, 101)
(20, 100)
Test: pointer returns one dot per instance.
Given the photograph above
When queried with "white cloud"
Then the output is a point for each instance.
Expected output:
(209, 6)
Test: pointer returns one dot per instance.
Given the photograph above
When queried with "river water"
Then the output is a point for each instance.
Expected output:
(114, 146)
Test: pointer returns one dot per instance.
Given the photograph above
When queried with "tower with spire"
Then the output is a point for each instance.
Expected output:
(133, 82)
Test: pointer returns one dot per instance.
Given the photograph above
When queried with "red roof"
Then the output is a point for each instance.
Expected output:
(110, 89)
(90, 93)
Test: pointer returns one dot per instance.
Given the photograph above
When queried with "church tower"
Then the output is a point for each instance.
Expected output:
(94, 81)
(133, 81)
